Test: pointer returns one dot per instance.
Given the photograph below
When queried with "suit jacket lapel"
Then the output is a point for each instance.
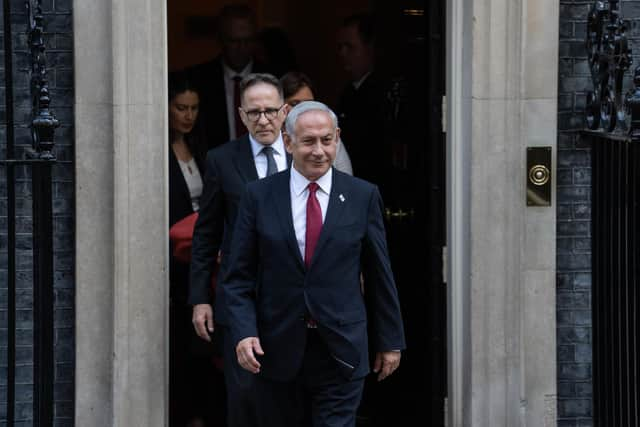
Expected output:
(176, 172)
(244, 160)
(282, 199)
(337, 200)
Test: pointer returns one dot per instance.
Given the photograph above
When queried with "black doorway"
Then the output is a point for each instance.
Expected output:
(412, 41)
(414, 192)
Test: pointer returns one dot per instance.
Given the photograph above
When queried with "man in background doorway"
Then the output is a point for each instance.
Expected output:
(360, 107)
(218, 80)
(228, 169)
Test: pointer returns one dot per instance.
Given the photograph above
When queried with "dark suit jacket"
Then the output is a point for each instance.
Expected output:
(179, 207)
(269, 290)
(208, 78)
(228, 169)
(361, 116)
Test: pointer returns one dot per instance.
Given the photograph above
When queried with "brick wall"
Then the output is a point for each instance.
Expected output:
(574, 224)
(575, 406)
(58, 27)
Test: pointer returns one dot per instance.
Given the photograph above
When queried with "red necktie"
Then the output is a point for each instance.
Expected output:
(240, 130)
(314, 224)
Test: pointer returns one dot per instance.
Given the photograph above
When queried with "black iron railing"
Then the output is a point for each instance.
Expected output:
(40, 159)
(613, 120)
(615, 262)
(609, 56)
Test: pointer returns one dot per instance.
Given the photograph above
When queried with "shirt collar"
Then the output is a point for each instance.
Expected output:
(229, 74)
(278, 146)
(359, 82)
(300, 183)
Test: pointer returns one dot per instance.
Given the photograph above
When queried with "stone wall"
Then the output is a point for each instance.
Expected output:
(59, 42)
(575, 406)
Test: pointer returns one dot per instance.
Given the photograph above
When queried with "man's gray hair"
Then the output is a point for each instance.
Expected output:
(306, 106)
(253, 79)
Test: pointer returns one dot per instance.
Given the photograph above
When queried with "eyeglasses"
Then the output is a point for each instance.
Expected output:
(269, 113)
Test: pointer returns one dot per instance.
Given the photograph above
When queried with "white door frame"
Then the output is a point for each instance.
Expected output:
(120, 64)
(458, 128)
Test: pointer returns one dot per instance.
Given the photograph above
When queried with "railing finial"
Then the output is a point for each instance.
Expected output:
(44, 123)
(609, 58)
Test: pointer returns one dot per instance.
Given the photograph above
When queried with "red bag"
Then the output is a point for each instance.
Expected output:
(181, 235)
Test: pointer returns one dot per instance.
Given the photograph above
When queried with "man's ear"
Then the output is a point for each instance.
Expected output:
(287, 141)
(338, 135)
(286, 109)
(243, 117)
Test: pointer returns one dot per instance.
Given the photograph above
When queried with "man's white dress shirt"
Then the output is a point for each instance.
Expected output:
(299, 195)
(260, 158)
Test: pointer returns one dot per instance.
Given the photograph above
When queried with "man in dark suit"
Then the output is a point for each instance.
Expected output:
(297, 313)
(217, 80)
(229, 168)
(360, 107)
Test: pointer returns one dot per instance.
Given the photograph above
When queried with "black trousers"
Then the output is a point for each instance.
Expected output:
(319, 396)
(241, 411)
(196, 387)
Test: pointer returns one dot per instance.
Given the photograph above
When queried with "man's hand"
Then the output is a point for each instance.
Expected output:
(246, 350)
(386, 362)
(202, 320)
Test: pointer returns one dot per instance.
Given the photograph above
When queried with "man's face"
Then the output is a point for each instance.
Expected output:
(263, 97)
(313, 144)
(238, 42)
(355, 55)
(303, 94)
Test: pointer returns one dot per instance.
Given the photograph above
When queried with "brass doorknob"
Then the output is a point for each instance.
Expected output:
(539, 175)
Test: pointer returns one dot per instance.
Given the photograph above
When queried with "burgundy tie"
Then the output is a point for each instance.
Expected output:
(314, 224)
(240, 130)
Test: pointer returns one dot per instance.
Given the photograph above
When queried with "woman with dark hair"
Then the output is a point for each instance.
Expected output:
(186, 152)
(297, 88)
(193, 377)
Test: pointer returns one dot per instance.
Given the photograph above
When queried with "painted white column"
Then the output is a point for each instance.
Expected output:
(121, 213)
(502, 93)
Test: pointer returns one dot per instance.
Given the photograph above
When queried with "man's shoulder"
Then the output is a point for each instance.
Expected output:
(275, 181)
(205, 74)
(354, 182)
(223, 154)
(197, 69)
(228, 148)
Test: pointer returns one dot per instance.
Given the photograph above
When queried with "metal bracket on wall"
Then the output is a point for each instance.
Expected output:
(538, 176)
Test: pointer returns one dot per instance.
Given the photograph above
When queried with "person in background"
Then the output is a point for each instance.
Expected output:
(360, 107)
(274, 50)
(189, 360)
(297, 87)
(218, 80)
(229, 168)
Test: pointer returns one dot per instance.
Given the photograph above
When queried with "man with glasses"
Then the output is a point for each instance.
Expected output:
(229, 168)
